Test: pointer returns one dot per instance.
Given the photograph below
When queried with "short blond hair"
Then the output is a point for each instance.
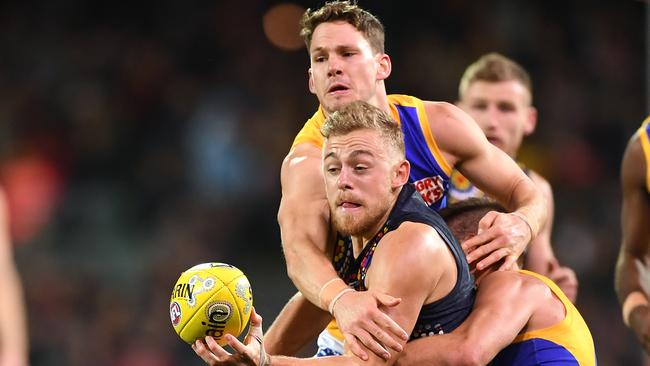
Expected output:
(346, 11)
(494, 67)
(361, 115)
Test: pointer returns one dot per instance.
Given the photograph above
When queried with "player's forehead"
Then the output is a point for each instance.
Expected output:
(338, 34)
(513, 90)
(354, 144)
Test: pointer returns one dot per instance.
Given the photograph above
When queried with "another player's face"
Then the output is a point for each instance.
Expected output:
(359, 175)
(503, 111)
(344, 67)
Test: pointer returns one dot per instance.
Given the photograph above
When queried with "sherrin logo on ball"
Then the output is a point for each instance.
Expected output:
(210, 299)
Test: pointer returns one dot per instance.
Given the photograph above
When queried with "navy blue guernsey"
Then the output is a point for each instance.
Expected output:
(441, 316)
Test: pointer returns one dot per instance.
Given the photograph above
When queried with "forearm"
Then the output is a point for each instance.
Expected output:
(502, 308)
(628, 286)
(304, 222)
(308, 268)
(298, 323)
(320, 361)
(628, 278)
(432, 351)
(540, 257)
(527, 200)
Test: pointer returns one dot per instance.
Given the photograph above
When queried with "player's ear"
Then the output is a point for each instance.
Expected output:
(531, 120)
(385, 66)
(312, 88)
(402, 171)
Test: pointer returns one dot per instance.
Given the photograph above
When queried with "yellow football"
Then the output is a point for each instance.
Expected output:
(210, 299)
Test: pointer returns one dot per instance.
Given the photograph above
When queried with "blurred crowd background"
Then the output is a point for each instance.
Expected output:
(139, 139)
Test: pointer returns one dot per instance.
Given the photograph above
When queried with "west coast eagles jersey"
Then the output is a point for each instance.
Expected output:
(429, 170)
(644, 137)
(460, 188)
(568, 342)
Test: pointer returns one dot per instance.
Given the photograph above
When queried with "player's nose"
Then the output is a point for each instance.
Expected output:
(334, 66)
(343, 181)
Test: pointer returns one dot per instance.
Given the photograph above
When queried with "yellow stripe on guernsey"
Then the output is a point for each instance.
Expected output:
(572, 332)
(645, 143)
(409, 101)
(310, 132)
(333, 329)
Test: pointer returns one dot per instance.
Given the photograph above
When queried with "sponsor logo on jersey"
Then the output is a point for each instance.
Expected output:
(431, 188)
(459, 182)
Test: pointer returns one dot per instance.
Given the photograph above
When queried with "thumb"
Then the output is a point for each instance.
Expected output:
(387, 300)
(487, 221)
(256, 325)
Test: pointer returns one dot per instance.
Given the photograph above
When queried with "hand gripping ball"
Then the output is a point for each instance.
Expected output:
(210, 299)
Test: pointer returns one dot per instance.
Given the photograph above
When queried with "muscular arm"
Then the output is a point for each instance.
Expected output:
(464, 145)
(412, 245)
(415, 286)
(298, 323)
(304, 221)
(540, 257)
(635, 215)
(13, 327)
(504, 304)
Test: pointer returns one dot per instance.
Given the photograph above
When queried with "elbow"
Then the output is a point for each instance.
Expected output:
(470, 355)
(293, 273)
(291, 258)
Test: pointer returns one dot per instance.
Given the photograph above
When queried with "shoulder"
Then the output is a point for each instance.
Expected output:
(301, 155)
(634, 165)
(634, 150)
(445, 111)
(415, 244)
(310, 131)
(514, 284)
(301, 174)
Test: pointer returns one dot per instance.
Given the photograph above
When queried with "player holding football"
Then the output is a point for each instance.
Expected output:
(348, 63)
(520, 318)
(384, 226)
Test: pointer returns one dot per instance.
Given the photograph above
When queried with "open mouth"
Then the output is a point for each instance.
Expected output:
(349, 205)
(338, 87)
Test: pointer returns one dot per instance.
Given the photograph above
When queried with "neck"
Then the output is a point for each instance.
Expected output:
(380, 99)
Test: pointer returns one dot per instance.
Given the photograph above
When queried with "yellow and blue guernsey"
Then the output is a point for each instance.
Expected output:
(429, 170)
(568, 342)
(460, 188)
(644, 137)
